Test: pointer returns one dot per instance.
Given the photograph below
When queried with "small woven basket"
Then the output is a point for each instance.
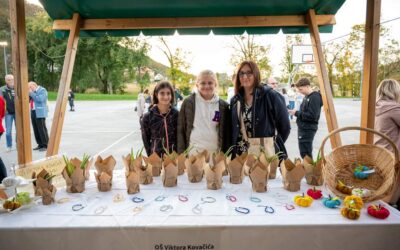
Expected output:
(341, 162)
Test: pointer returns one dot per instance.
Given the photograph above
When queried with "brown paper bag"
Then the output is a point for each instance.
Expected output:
(273, 165)
(43, 175)
(131, 175)
(89, 165)
(292, 174)
(75, 182)
(214, 173)
(206, 155)
(259, 176)
(248, 163)
(181, 163)
(236, 170)
(220, 156)
(313, 171)
(155, 162)
(104, 173)
(145, 170)
(46, 190)
(169, 172)
(195, 167)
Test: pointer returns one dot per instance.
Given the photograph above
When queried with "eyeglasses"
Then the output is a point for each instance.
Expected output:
(248, 74)
(274, 83)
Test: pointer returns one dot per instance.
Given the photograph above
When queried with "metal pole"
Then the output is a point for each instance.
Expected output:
(5, 60)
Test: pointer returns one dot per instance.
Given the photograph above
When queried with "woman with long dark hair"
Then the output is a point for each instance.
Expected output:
(159, 125)
(259, 115)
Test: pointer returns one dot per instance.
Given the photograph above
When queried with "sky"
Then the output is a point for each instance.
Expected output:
(214, 52)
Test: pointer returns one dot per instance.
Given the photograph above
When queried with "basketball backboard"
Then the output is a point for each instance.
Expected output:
(302, 54)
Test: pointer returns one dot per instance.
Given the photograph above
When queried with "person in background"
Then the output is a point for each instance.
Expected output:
(387, 121)
(273, 83)
(39, 96)
(8, 95)
(178, 97)
(159, 125)
(307, 116)
(292, 98)
(286, 97)
(3, 170)
(2, 114)
(33, 121)
(204, 118)
(71, 98)
(141, 103)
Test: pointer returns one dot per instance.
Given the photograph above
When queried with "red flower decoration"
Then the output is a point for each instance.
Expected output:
(379, 211)
(314, 193)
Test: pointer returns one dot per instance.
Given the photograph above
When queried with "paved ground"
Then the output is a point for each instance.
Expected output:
(112, 127)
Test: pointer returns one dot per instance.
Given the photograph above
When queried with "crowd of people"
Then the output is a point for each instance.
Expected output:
(38, 112)
(255, 116)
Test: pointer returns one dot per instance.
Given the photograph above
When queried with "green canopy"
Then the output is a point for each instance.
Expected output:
(100, 9)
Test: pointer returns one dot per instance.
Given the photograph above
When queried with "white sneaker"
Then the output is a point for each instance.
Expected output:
(8, 150)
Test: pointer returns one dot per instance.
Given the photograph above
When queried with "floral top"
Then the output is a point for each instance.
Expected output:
(242, 145)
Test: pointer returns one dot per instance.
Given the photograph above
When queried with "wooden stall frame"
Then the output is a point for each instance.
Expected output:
(76, 24)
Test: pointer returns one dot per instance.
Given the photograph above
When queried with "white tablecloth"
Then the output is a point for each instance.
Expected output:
(218, 226)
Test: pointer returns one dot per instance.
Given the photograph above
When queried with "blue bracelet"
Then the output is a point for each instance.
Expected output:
(160, 198)
(255, 199)
(137, 199)
(242, 210)
(268, 209)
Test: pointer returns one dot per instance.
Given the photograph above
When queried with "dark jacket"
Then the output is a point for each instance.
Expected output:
(158, 129)
(310, 111)
(269, 114)
(8, 95)
(186, 120)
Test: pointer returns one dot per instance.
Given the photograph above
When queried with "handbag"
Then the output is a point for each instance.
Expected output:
(270, 145)
(256, 145)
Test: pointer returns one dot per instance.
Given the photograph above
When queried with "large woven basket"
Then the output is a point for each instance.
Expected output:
(340, 164)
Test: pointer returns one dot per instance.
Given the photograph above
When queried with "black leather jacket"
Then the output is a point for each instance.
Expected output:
(269, 114)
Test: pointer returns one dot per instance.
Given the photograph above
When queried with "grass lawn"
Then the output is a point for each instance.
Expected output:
(116, 97)
(97, 97)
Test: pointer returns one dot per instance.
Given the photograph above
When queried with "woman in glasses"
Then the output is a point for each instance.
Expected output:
(259, 116)
(204, 117)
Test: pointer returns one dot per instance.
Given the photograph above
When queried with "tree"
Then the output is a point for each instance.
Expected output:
(246, 48)
(136, 58)
(177, 62)
(224, 82)
(5, 35)
(45, 52)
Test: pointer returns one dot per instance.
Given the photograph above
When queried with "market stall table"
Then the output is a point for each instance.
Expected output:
(191, 217)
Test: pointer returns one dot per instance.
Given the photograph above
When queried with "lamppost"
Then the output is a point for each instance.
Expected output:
(4, 44)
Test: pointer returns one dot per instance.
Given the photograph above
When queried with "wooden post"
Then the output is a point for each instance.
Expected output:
(326, 92)
(20, 71)
(65, 82)
(370, 69)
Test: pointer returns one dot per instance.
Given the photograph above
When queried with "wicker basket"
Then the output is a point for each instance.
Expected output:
(340, 164)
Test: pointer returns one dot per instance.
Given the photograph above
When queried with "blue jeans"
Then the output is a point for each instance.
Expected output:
(9, 122)
(291, 106)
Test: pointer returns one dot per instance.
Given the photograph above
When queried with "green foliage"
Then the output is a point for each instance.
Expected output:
(224, 82)
(246, 48)
(52, 96)
(178, 65)
(69, 167)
